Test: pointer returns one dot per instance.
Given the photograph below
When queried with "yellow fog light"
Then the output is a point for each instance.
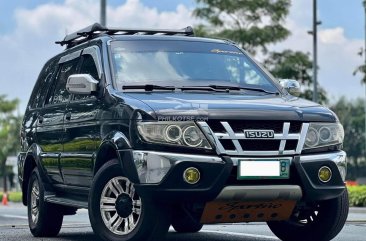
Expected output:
(191, 175)
(324, 174)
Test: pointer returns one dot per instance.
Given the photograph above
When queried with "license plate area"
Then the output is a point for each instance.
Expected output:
(263, 168)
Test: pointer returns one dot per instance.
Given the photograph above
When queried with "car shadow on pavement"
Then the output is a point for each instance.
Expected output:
(203, 236)
(171, 236)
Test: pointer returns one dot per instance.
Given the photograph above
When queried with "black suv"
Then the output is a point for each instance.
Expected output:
(152, 128)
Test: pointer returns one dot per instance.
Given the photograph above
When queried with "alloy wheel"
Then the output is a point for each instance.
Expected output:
(35, 201)
(120, 206)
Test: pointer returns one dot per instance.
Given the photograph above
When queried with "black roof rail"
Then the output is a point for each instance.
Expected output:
(82, 34)
(97, 29)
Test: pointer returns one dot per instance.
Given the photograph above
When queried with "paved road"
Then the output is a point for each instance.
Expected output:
(13, 226)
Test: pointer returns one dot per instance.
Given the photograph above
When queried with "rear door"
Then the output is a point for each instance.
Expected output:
(81, 130)
(50, 126)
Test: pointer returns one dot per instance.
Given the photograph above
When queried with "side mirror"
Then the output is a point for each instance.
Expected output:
(83, 84)
(292, 86)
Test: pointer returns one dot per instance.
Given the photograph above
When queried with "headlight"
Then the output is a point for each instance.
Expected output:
(176, 133)
(191, 136)
(324, 134)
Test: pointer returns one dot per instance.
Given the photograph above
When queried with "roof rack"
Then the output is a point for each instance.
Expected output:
(97, 29)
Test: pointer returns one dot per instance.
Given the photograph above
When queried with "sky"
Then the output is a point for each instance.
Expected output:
(29, 28)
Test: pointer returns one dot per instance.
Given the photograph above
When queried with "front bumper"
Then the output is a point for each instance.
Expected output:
(308, 166)
(217, 173)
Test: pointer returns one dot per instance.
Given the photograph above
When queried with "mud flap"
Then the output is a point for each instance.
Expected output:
(237, 211)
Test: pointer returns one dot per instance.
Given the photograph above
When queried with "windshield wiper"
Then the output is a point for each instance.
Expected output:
(147, 87)
(225, 88)
(242, 88)
(206, 88)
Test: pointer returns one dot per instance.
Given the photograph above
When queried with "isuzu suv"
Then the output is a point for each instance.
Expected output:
(152, 128)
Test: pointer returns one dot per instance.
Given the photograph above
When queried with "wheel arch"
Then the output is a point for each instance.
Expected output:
(29, 165)
(31, 161)
(114, 145)
(106, 152)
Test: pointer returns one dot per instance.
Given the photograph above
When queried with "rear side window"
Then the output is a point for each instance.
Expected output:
(60, 94)
(43, 81)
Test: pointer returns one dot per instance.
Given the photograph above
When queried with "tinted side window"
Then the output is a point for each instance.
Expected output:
(40, 89)
(87, 67)
(60, 94)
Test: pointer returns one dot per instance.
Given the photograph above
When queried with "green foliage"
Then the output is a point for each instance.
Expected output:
(251, 23)
(12, 196)
(295, 65)
(9, 127)
(357, 196)
(9, 131)
(290, 65)
(351, 115)
(354, 172)
(322, 95)
(362, 70)
(200, 31)
(7, 106)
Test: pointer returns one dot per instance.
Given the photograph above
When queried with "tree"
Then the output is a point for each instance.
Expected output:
(351, 115)
(294, 65)
(254, 24)
(362, 68)
(251, 23)
(9, 132)
(290, 65)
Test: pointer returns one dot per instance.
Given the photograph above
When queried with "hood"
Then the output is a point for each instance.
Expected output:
(232, 106)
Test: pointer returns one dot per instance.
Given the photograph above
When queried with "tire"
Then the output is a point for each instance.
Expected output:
(145, 220)
(323, 222)
(186, 224)
(44, 219)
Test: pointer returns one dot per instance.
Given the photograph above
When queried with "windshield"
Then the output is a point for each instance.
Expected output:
(184, 63)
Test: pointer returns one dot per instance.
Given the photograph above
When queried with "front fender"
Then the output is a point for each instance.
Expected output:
(117, 139)
(117, 145)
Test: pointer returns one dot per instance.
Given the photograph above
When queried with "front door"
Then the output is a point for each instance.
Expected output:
(81, 131)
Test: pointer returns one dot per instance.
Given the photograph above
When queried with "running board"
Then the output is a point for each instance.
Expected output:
(66, 202)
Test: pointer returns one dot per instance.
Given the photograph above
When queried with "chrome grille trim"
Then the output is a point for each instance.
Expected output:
(240, 150)
(286, 129)
(300, 144)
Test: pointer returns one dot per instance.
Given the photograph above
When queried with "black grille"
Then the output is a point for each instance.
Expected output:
(241, 125)
(231, 139)
(291, 145)
(228, 144)
(295, 126)
(260, 145)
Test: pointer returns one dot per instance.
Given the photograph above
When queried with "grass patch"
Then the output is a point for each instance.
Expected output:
(12, 196)
(357, 196)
